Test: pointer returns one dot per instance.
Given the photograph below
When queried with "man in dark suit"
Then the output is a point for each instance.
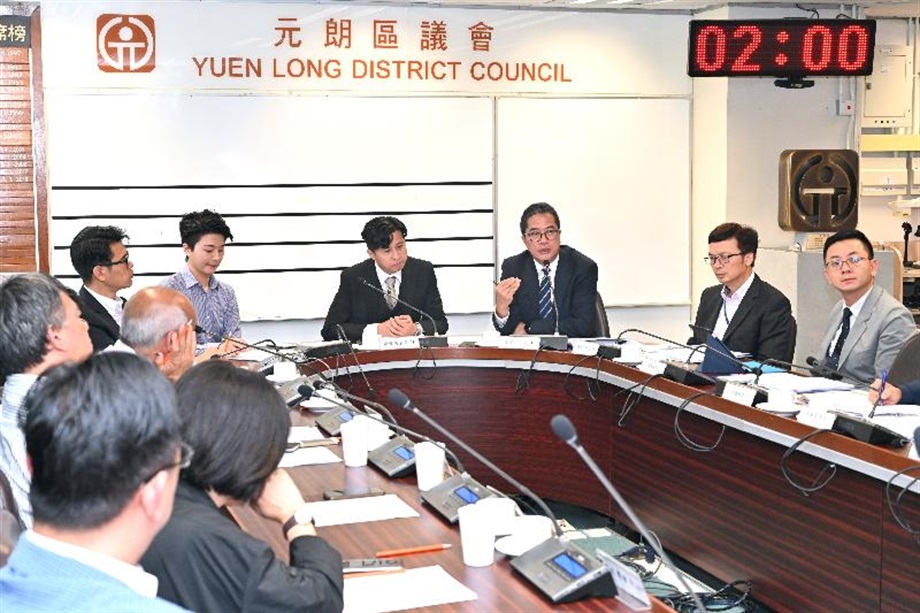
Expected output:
(748, 314)
(549, 287)
(99, 255)
(391, 274)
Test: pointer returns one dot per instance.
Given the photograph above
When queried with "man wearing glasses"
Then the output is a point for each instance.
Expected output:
(549, 288)
(746, 313)
(104, 442)
(99, 256)
(868, 326)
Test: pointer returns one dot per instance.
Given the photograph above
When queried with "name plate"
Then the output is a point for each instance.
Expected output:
(740, 393)
(398, 342)
(519, 342)
(582, 347)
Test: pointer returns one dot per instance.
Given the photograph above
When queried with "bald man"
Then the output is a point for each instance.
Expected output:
(159, 325)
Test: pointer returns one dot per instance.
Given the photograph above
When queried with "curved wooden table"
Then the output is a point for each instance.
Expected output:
(729, 511)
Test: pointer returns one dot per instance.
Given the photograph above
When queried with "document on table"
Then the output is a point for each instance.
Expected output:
(309, 455)
(417, 587)
(800, 385)
(359, 510)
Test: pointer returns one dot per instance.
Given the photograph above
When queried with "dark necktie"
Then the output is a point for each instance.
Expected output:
(834, 358)
(546, 295)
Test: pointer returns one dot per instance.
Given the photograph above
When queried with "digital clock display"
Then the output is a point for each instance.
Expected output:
(781, 48)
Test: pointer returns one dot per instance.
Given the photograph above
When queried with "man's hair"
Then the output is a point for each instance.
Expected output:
(193, 226)
(92, 246)
(378, 232)
(151, 314)
(844, 235)
(538, 208)
(237, 423)
(746, 236)
(30, 303)
(96, 431)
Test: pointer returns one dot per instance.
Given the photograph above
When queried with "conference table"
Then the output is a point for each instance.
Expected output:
(707, 475)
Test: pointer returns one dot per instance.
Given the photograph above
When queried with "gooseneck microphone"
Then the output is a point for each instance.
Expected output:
(398, 398)
(565, 430)
(379, 290)
(827, 372)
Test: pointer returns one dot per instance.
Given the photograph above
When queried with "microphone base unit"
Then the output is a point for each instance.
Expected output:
(556, 342)
(267, 366)
(457, 491)
(395, 458)
(432, 341)
(331, 421)
(564, 572)
(867, 432)
(609, 352)
(290, 391)
(327, 349)
(682, 374)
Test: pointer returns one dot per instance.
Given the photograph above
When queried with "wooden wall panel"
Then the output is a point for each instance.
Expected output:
(19, 222)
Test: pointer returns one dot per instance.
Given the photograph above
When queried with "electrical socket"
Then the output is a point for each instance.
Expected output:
(846, 107)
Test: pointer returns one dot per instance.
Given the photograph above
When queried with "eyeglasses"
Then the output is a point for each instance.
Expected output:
(535, 235)
(186, 453)
(837, 263)
(723, 259)
(123, 260)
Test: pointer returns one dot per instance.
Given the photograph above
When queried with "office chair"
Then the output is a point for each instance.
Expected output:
(602, 328)
(906, 367)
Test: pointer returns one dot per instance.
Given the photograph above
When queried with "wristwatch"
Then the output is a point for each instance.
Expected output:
(299, 518)
(419, 330)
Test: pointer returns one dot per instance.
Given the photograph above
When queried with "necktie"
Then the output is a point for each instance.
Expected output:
(391, 292)
(834, 357)
(546, 295)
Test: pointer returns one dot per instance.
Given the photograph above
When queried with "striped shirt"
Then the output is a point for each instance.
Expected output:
(217, 309)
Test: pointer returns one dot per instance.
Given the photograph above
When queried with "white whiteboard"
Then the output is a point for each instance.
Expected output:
(618, 173)
(295, 176)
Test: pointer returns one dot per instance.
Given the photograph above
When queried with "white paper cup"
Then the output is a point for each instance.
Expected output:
(429, 465)
(354, 442)
(781, 399)
(477, 535)
(501, 513)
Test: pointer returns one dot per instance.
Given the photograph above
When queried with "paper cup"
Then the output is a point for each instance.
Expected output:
(354, 442)
(477, 536)
(429, 465)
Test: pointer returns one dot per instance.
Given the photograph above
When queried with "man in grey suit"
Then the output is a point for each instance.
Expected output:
(868, 326)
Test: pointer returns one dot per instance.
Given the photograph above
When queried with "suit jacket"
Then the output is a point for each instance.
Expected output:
(575, 292)
(910, 392)
(355, 305)
(205, 562)
(880, 330)
(103, 330)
(36, 579)
(762, 326)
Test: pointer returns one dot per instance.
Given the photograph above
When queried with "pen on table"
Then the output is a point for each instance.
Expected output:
(392, 553)
(321, 442)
